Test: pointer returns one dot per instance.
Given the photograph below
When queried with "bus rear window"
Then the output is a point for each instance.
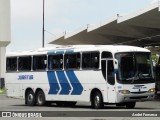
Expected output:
(11, 64)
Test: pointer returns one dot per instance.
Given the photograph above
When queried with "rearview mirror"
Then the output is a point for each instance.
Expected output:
(115, 64)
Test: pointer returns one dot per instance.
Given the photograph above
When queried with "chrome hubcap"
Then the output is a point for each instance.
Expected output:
(97, 100)
(30, 97)
(40, 99)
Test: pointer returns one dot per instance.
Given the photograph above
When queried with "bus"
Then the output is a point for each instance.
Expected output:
(104, 74)
(157, 76)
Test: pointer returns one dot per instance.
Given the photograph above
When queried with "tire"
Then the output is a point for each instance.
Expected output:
(97, 100)
(30, 98)
(40, 98)
(130, 105)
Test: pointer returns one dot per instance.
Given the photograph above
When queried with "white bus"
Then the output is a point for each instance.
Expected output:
(109, 74)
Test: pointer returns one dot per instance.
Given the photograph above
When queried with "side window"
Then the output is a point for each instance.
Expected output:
(39, 62)
(72, 61)
(55, 62)
(24, 63)
(11, 64)
(107, 55)
(110, 72)
(90, 60)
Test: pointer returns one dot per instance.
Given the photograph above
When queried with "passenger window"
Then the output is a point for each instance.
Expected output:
(107, 55)
(110, 72)
(90, 60)
(55, 62)
(24, 63)
(11, 64)
(39, 62)
(72, 61)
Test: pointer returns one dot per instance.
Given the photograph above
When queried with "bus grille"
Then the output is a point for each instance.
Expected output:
(139, 97)
(139, 92)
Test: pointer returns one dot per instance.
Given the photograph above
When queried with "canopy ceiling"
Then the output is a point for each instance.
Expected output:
(141, 28)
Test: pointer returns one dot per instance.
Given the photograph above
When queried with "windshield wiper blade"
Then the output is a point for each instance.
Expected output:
(136, 78)
(133, 78)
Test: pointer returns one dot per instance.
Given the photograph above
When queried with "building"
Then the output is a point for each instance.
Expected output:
(5, 33)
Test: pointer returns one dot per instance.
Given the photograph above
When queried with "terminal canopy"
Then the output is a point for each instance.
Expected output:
(141, 28)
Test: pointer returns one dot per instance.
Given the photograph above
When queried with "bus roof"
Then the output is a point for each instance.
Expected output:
(81, 48)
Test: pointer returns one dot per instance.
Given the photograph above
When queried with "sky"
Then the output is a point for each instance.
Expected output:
(61, 16)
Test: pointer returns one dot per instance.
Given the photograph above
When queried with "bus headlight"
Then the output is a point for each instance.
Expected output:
(152, 90)
(124, 91)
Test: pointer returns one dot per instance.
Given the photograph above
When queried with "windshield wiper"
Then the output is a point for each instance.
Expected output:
(135, 77)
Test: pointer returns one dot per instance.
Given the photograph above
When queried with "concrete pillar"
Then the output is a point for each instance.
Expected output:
(5, 33)
(2, 62)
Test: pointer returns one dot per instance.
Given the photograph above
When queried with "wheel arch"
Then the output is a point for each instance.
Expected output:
(40, 89)
(28, 89)
(95, 90)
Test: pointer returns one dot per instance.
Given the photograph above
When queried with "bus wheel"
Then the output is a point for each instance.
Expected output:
(30, 98)
(97, 101)
(40, 98)
(130, 105)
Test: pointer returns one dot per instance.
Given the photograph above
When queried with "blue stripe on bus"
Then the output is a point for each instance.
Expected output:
(59, 51)
(64, 83)
(77, 87)
(69, 51)
(51, 52)
(55, 52)
(54, 87)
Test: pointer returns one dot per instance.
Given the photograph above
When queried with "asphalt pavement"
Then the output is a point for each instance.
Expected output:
(80, 111)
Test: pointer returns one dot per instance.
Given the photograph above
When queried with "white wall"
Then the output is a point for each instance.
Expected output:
(2, 62)
(5, 32)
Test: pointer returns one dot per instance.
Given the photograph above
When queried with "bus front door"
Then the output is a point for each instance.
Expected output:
(110, 78)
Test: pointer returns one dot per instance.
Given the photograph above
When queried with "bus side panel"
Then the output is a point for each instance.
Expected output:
(87, 80)
(92, 79)
(14, 90)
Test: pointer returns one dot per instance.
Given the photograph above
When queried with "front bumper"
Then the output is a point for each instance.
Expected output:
(134, 97)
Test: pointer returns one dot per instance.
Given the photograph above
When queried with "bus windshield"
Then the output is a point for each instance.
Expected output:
(134, 67)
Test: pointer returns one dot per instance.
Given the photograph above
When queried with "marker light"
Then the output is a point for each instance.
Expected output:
(152, 90)
(124, 91)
